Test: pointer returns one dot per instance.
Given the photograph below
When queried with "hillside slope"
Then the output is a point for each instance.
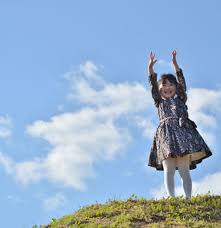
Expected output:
(200, 211)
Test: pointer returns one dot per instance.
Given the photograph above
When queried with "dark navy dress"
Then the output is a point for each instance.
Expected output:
(176, 134)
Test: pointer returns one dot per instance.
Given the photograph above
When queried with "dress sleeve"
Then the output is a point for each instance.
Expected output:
(181, 87)
(154, 89)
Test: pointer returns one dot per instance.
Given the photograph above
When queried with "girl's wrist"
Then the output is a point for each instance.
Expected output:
(150, 68)
(175, 65)
(175, 62)
(150, 71)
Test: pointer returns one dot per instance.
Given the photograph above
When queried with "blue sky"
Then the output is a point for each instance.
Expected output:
(77, 118)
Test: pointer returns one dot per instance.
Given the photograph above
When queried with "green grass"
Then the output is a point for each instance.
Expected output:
(200, 211)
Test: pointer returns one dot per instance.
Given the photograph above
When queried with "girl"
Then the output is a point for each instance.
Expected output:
(177, 144)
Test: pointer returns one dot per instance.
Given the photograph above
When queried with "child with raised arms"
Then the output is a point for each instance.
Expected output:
(177, 144)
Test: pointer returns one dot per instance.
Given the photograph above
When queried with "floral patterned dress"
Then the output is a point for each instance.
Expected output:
(176, 134)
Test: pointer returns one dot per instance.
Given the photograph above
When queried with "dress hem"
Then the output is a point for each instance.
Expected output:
(193, 164)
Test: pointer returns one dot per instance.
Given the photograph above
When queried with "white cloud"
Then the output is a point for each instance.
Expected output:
(29, 171)
(7, 163)
(5, 127)
(89, 69)
(145, 123)
(80, 139)
(121, 97)
(205, 106)
(85, 75)
(209, 183)
(205, 109)
(54, 202)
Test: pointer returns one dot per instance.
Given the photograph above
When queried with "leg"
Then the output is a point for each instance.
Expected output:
(183, 166)
(169, 166)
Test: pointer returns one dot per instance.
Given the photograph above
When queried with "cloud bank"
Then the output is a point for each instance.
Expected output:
(80, 139)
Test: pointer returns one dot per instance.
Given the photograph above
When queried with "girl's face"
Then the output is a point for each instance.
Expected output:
(167, 89)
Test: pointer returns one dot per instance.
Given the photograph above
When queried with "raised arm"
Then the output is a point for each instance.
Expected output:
(153, 80)
(181, 88)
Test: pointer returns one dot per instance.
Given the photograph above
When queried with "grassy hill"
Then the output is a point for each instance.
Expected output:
(200, 211)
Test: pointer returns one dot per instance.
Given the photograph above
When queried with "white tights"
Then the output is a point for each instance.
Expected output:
(169, 166)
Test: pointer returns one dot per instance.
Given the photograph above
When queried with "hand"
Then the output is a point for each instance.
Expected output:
(174, 57)
(152, 61)
(176, 66)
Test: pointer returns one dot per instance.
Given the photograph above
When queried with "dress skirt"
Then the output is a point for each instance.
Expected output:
(173, 139)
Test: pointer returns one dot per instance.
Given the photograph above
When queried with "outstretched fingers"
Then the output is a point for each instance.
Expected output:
(152, 58)
(174, 56)
(174, 53)
(152, 55)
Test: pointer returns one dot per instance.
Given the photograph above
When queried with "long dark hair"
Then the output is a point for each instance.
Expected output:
(170, 77)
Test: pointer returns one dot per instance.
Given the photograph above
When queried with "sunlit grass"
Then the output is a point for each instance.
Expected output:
(200, 211)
